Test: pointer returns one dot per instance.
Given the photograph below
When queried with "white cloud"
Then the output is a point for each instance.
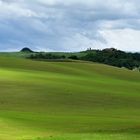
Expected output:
(70, 25)
(126, 39)
(13, 9)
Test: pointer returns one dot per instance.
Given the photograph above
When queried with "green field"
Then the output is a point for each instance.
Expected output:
(67, 101)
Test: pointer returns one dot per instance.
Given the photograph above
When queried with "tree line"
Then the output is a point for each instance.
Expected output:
(109, 56)
(115, 58)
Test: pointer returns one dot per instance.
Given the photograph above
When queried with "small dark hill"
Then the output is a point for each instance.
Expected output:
(26, 50)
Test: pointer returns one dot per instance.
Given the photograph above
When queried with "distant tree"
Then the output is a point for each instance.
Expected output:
(108, 56)
(63, 56)
(42, 55)
(75, 57)
(114, 57)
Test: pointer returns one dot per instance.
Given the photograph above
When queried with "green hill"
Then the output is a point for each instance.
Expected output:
(67, 101)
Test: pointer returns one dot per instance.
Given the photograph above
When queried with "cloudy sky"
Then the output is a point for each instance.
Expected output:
(69, 25)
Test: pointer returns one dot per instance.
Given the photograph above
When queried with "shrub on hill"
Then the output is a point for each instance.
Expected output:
(75, 57)
(46, 56)
(115, 58)
(108, 56)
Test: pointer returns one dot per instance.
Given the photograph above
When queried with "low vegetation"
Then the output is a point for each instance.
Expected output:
(107, 56)
(115, 58)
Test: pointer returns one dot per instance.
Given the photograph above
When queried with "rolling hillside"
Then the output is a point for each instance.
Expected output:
(67, 101)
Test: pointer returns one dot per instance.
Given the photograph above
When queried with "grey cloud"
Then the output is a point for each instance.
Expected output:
(64, 25)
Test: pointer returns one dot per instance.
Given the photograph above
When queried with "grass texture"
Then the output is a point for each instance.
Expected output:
(67, 101)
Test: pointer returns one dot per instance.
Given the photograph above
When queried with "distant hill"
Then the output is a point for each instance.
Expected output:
(27, 50)
(109, 56)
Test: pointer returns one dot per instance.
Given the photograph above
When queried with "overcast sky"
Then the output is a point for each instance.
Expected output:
(69, 25)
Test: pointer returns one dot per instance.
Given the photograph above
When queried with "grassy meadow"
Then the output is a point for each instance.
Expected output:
(67, 101)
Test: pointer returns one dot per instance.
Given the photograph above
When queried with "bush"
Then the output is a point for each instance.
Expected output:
(46, 56)
(73, 57)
